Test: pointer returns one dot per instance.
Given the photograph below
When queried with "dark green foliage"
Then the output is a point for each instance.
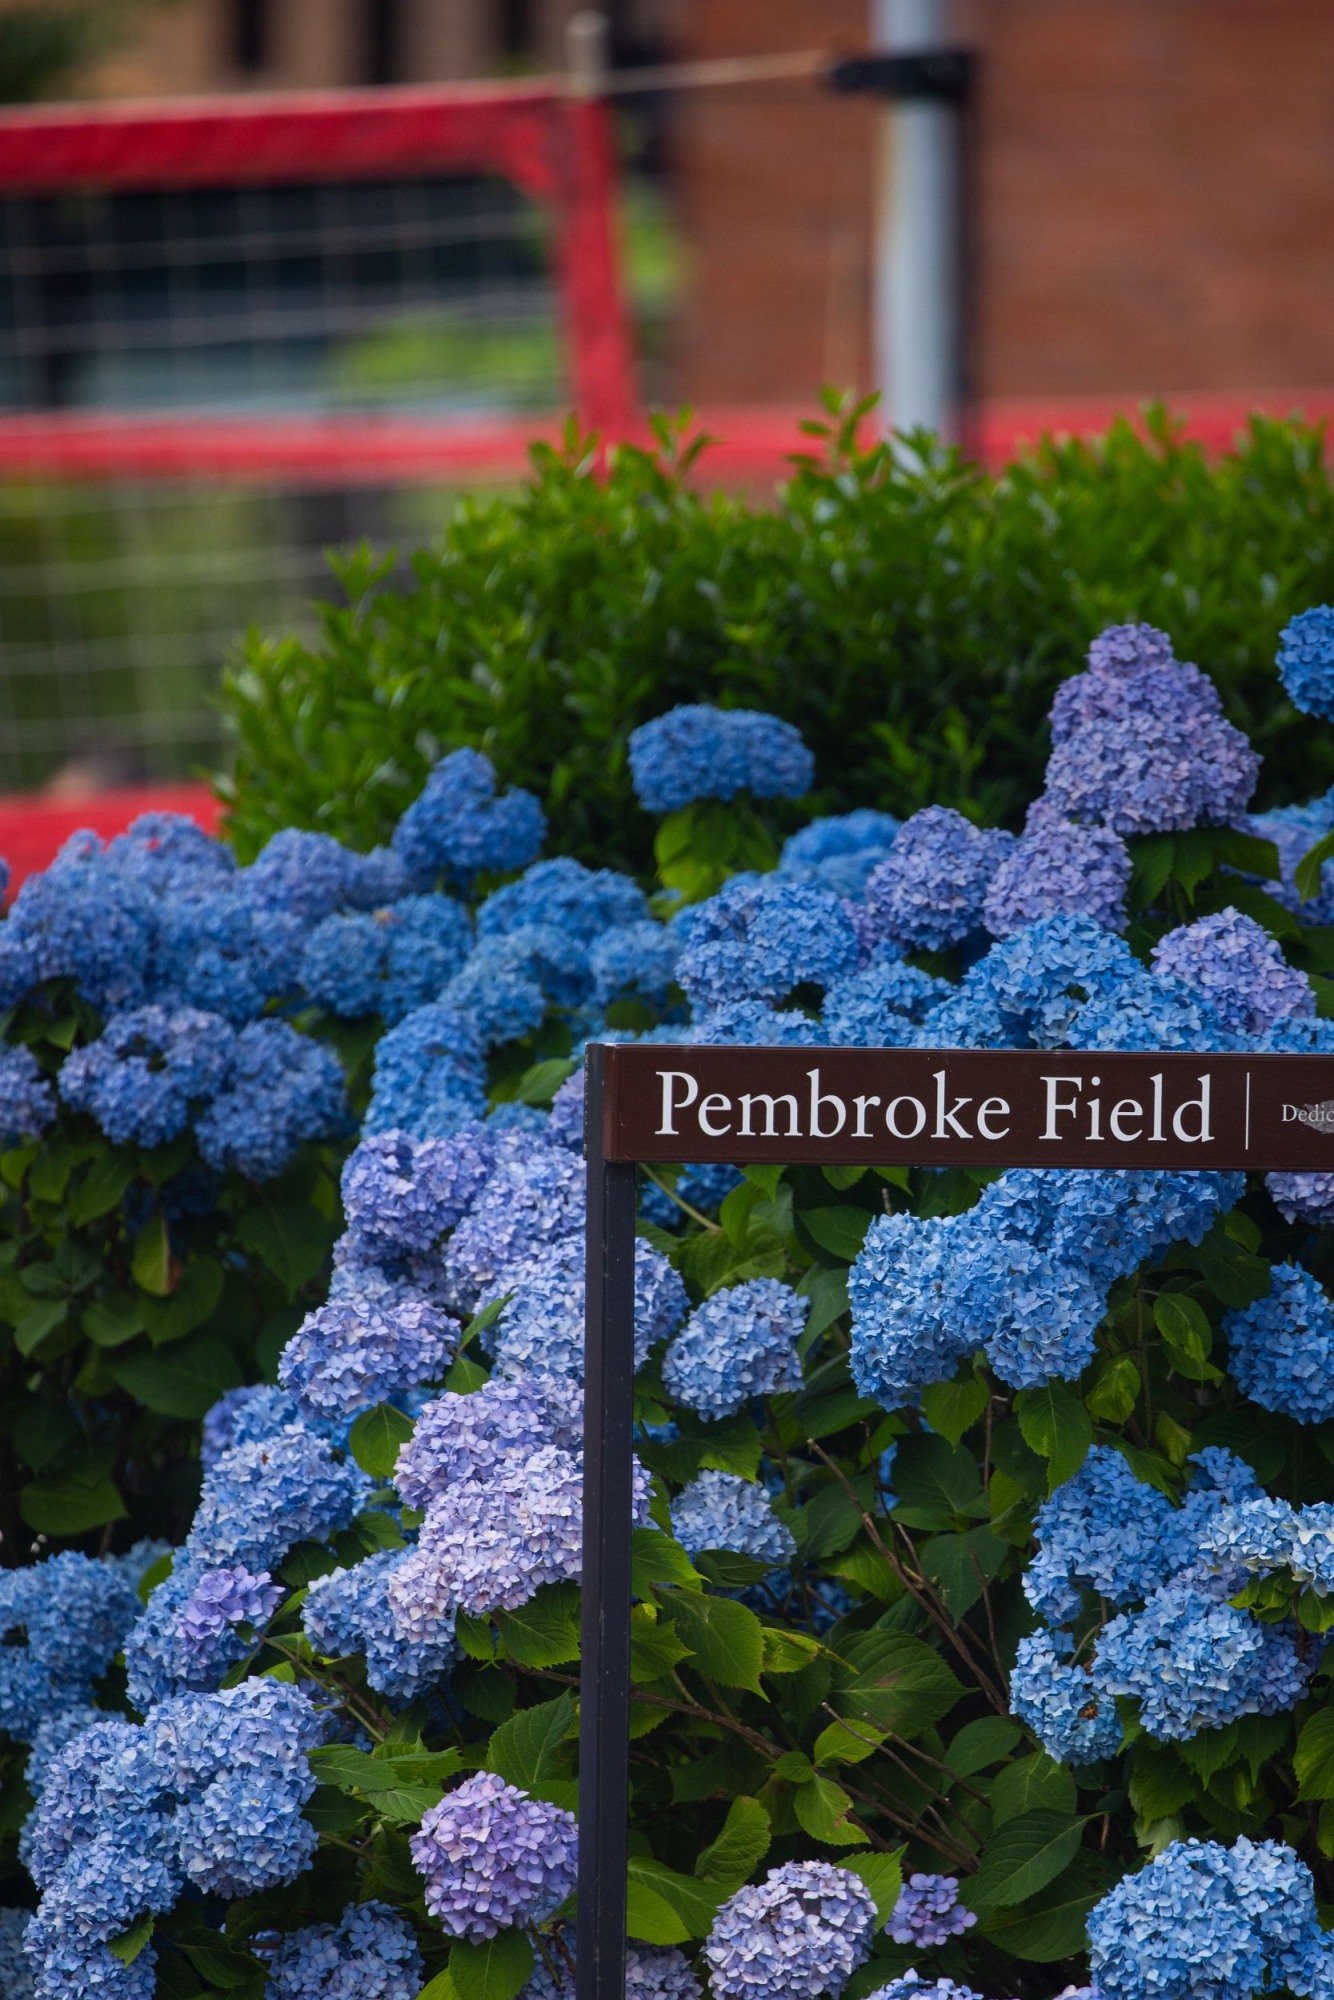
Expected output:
(135, 1288)
(912, 618)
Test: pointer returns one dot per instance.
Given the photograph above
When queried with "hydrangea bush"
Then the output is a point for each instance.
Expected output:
(984, 1544)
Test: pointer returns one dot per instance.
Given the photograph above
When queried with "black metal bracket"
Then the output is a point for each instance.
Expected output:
(940, 76)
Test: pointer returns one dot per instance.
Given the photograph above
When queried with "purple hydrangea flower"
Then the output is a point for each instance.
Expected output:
(1060, 870)
(928, 892)
(491, 1857)
(534, 1197)
(929, 1912)
(488, 1545)
(803, 1931)
(459, 1438)
(540, 1329)
(1238, 969)
(224, 1598)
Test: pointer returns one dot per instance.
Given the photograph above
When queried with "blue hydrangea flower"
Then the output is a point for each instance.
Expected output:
(1036, 1313)
(901, 1339)
(634, 960)
(1073, 1718)
(720, 1510)
(840, 853)
(262, 1497)
(222, 951)
(389, 961)
(348, 1612)
(1281, 1348)
(929, 1912)
(1129, 667)
(696, 751)
(80, 920)
(470, 1437)
(581, 903)
(754, 1024)
(50, 1737)
(283, 1090)
(171, 854)
(62, 1622)
(1040, 980)
(15, 1969)
(1264, 1535)
(428, 1078)
(1238, 969)
(243, 1416)
(740, 1343)
(309, 875)
(207, 1794)
(1194, 1663)
(803, 1931)
(149, 1071)
(1294, 830)
(491, 1857)
(27, 1100)
(534, 1197)
(871, 1008)
(1306, 661)
(369, 1954)
(760, 940)
(355, 1352)
(1206, 1919)
(1104, 1531)
(540, 1329)
(928, 892)
(460, 827)
(1058, 869)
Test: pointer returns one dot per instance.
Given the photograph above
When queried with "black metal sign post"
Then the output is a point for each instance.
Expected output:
(841, 1107)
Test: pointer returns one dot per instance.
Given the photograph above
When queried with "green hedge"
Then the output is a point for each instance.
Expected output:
(911, 619)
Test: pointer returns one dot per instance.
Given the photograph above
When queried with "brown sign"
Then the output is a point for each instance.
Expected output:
(977, 1108)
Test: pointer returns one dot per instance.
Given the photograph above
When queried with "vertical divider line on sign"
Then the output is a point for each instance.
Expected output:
(604, 1672)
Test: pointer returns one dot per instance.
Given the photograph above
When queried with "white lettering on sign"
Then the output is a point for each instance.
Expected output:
(1066, 1107)
(1070, 1098)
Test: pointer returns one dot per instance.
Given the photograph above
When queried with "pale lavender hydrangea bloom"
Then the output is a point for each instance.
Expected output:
(355, 1352)
(803, 1931)
(488, 1545)
(491, 1857)
(720, 1510)
(1060, 869)
(223, 1598)
(470, 1437)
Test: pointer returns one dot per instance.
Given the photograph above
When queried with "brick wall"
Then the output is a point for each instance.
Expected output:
(1156, 213)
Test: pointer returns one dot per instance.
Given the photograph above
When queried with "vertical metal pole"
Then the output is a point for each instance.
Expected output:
(918, 258)
(604, 1671)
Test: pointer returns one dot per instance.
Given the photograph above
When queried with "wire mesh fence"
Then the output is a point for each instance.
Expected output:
(235, 336)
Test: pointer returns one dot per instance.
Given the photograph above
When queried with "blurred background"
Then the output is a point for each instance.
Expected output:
(225, 346)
